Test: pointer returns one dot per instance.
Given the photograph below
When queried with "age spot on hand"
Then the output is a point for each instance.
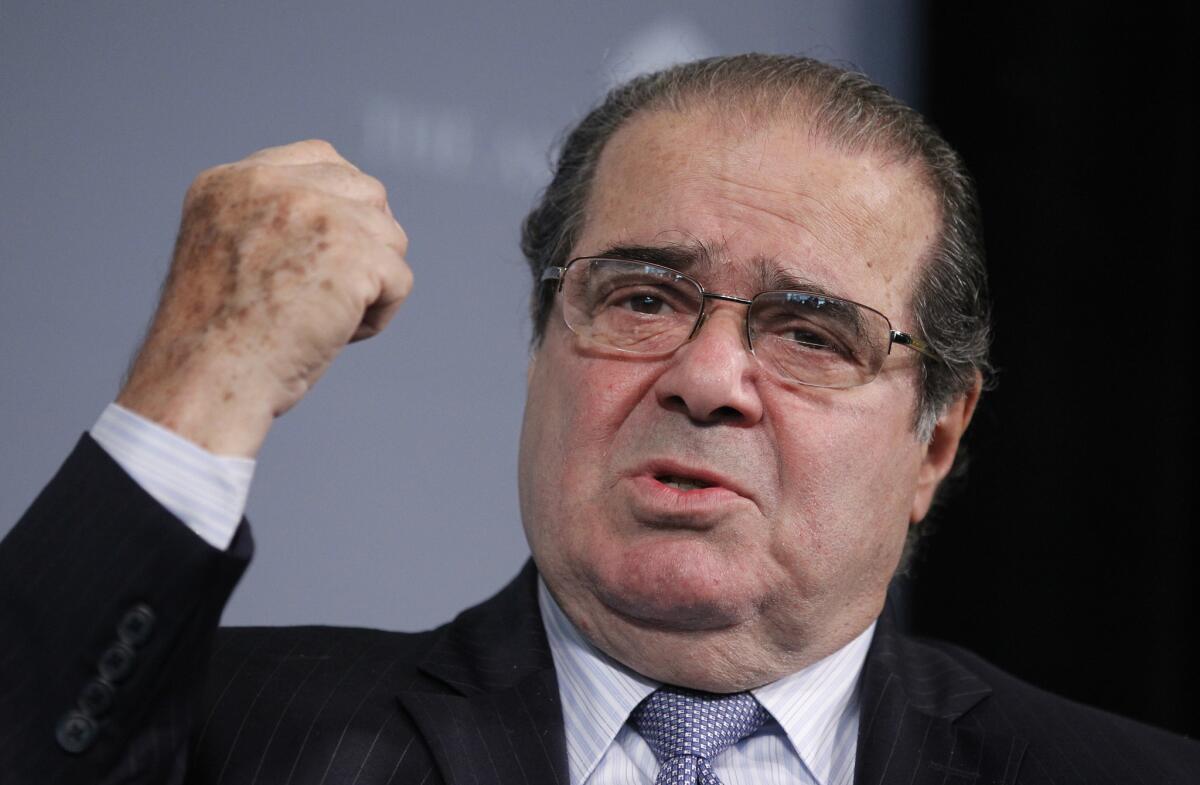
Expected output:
(282, 213)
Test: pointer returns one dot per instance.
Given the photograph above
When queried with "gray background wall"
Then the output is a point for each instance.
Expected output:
(397, 473)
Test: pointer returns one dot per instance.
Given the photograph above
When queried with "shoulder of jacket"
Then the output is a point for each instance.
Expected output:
(1065, 735)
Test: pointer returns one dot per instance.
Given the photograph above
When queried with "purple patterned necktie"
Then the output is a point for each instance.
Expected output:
(686, 728)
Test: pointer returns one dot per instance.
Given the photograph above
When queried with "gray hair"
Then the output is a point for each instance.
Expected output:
(844, 109)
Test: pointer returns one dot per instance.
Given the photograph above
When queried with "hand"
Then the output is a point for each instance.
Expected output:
(282, 259)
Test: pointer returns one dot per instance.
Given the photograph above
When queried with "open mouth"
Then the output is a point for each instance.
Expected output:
(682, 483)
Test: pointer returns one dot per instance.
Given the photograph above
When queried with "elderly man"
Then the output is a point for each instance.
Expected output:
(760, 334)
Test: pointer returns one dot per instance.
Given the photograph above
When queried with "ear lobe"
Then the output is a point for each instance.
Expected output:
(942, 447)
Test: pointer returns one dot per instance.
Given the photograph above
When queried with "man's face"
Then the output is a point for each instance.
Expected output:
(787, 554)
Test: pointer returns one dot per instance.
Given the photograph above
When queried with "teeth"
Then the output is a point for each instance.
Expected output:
(682, 484)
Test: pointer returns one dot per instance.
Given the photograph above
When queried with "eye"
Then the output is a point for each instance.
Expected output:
(813, 339)
(641, 299)
(802, 334)
(645, 303)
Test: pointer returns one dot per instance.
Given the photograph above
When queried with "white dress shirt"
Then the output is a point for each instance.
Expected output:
(811, 737)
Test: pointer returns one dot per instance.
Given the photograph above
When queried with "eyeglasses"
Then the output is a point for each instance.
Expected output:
(645, 309)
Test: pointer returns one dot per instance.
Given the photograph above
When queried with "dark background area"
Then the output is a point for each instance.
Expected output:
(1069, 556)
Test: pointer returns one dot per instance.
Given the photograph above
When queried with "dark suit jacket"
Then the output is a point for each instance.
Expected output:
(475, 701)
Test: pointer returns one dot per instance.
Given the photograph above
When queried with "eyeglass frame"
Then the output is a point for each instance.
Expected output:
(558, 273)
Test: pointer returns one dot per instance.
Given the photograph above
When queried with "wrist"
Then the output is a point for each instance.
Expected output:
(212, 404)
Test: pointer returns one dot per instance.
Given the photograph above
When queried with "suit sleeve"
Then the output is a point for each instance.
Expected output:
(108, 607)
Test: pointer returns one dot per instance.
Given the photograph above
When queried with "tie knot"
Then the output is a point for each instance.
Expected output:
(676, 721)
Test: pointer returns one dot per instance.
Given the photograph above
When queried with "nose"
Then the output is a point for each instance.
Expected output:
(713, 377)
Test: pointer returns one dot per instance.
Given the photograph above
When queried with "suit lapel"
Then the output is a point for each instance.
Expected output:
(508, 736)
(502, 722)
(913, 725)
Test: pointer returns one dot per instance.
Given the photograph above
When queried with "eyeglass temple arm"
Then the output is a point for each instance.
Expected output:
(916, 344)
(553, 274)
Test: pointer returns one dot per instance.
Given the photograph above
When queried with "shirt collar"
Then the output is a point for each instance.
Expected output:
(817, 707)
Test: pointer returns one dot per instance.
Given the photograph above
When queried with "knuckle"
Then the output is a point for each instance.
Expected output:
(319, 148)
(374, 187)
(232, 180)
(268, 183)
(398, 274)
(255, 177)
(205, 181)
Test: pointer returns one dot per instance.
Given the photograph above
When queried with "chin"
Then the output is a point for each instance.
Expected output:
(681, 586)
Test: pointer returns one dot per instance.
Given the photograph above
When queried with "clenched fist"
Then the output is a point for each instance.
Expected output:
(282, 259)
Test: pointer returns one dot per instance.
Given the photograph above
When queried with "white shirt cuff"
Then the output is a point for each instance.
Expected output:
(207, 492)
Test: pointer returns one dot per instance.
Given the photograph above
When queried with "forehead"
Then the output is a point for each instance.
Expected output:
(758, 202)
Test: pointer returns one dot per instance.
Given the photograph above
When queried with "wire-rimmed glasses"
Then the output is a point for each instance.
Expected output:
(647, 309)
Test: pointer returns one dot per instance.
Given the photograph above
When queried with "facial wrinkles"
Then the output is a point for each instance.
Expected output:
(844, 219)
(857, 223)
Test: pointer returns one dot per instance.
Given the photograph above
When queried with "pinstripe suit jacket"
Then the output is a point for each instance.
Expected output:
(475, 701)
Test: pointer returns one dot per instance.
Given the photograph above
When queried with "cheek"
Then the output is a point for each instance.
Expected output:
(847, 479)
(593, 409)
(576, 412)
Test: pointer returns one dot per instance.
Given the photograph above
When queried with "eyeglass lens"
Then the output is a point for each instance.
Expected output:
(642, 308)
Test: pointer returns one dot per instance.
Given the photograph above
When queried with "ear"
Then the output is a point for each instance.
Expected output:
(942, 447)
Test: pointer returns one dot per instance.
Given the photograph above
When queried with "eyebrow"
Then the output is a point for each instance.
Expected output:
(773, 278)
(698, 258)
(691, 258)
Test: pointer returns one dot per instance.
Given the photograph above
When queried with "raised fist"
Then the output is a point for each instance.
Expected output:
(282, 259)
